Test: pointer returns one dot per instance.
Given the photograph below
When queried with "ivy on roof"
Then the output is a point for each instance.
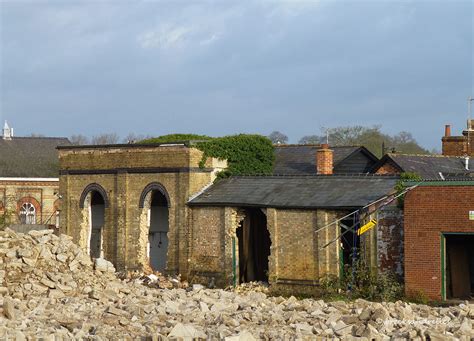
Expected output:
(173, 138)
(245, 154)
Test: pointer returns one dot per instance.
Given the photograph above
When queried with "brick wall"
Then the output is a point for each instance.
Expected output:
(41, 194)
(390, 240)
(454, 146)
(388, 168)
(457, 145)
(296, 255)
(430, 211)
(124, 173)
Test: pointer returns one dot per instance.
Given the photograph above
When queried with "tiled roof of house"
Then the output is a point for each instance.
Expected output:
(301, 159)
(429, 166)
(333, 191)
(30, 157)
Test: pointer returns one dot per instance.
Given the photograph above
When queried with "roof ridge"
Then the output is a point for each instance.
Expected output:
(313, 145)
(347, 175)
(426, 155)
(39, 137)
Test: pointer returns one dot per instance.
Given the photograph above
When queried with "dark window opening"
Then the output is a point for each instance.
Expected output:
(254, 247)
(460, 266)
(350, 243)
(158, 232)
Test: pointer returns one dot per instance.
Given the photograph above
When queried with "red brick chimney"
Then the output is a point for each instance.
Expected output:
(324, 160)
(447, 130)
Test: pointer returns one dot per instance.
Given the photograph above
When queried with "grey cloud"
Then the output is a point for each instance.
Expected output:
(229, 67)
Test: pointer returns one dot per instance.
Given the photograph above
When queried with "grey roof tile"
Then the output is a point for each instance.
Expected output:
(297, 191)
(429, 166)
(30, 157)
(301, 159)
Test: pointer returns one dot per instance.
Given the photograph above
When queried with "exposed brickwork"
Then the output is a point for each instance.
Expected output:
(455, 146)
(41, 194)
(429, 212)
(124, 173)
(388, 168)
(296, 255)
(390, 242)
(325, 160)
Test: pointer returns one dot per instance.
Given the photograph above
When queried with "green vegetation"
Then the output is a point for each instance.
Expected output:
(173, 138)
(245, 154)
(5, 219)
(362, 283)
(419, 297)
(400, 186)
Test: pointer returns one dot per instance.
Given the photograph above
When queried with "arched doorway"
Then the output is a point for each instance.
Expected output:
(158, 231)
(154, 225)
(97, 220)
(254, 246)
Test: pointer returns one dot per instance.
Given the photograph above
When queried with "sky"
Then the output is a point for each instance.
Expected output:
(226, 67)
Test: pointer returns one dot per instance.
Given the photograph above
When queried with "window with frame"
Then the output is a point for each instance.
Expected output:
(27, 213)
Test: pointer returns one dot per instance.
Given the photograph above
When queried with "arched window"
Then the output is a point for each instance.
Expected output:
(27, 213)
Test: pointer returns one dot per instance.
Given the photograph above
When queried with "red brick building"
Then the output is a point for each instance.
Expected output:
(439, 240)
(459, 145)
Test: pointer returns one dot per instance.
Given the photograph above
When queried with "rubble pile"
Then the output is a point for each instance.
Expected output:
(49, 289)
(250, 287)
(155, 279)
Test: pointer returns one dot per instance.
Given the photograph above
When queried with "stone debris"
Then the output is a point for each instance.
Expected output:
(250, 287)
(51, 290)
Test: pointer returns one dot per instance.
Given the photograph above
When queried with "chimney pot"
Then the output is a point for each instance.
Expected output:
(324, 160)
(447, 130)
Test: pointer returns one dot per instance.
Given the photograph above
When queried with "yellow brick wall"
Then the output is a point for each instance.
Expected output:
(11, 192)
(295, 253)
(124, 173)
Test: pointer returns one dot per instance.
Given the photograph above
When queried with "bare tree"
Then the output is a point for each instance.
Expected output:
(79, 139)
(36, 135)
(135, 138)
(311, 139)
(110, 138)
(278, 138)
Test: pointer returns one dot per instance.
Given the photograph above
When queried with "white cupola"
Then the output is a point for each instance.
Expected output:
(7, 132)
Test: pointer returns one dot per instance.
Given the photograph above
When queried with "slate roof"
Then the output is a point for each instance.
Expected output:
(30, 157)
(429, 166)
(301, 159)
(308, 192)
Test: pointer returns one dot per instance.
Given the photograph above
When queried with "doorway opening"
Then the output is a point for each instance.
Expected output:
(254, 246)
(460, 266)
(97, 224)
(350, 244)
(158, 231)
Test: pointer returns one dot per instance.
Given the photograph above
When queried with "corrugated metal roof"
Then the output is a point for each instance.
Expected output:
(30, 157)
(297, 191)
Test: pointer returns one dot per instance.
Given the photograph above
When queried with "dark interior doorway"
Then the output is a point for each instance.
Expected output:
(97, 224)
(460, 266)
(158, 232)
(254, 246)
(350, 242)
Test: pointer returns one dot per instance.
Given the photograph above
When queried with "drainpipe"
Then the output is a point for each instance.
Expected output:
(467, 162)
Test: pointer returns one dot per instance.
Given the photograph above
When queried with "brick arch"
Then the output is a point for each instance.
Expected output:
(154, 186)
(94, 187)
(34, 202)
